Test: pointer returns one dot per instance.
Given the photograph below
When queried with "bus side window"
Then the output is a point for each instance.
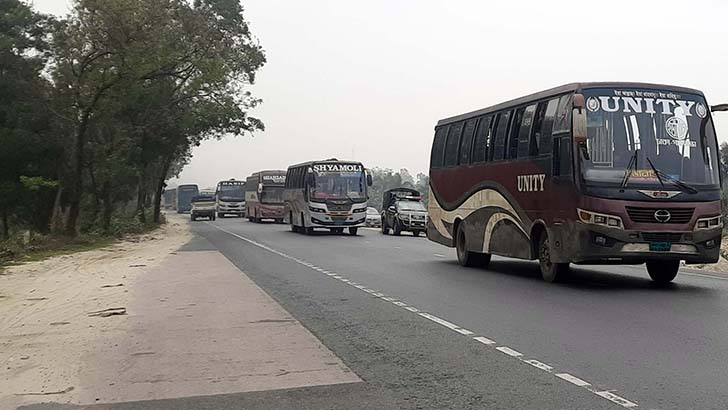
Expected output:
(438, 147)
(562, 157)
(562, 122)
(481, 144)
(466, 142)
(525, 132)
(500, 135)
(453, 144)
(513, 134)
(544, 132)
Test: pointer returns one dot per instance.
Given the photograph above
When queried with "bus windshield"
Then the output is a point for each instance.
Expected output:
(410, 206)
(641, 134)
(231, 191)
(271, 195)
(339, 184)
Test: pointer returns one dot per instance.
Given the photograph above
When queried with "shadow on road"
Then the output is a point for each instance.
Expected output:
(585, 278)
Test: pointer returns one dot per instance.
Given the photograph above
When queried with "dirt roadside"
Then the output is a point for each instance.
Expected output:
(53, 310)
(149, 319)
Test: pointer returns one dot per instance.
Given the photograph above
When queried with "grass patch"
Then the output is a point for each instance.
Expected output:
(22, 248)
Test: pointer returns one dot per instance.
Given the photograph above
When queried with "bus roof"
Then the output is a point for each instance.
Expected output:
(572, 87)
(325, 161)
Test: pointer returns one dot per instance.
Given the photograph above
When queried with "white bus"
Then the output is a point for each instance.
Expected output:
(329, 194)
(230, 198)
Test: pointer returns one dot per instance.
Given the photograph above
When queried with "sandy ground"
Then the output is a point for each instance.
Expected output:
(146, 320)
(45, 321)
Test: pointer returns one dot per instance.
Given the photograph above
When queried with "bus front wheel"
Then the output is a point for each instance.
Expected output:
(550, 271)
(353, 231)
(663, 271)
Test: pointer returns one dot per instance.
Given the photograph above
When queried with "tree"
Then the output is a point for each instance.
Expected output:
(27, 150)
(163, 74)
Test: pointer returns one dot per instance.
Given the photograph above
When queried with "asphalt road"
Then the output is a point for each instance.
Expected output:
(424, 333)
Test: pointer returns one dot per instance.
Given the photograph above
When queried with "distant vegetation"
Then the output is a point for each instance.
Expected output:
(99, 108)
(385, 179)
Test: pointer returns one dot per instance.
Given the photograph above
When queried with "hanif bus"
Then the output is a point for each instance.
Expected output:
(585, 173)
(327, 194)
(185, 193)
(230, 198)
(264, 195)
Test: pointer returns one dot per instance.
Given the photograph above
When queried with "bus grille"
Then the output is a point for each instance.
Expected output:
(661, 237)
(338, 208)
(647, 215)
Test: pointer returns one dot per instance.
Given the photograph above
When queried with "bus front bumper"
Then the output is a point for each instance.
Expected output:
(592, 244)
(352, 222)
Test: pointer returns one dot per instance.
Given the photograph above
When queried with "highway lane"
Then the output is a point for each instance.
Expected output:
(656, 347)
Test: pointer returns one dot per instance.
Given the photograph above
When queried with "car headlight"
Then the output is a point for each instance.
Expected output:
(316, 209)
(594, 218)
(708, 223)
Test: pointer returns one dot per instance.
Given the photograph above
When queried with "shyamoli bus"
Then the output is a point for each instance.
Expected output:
(328, 194)
(585, 173)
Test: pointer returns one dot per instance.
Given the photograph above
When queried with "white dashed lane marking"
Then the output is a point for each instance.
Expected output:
(608, 395)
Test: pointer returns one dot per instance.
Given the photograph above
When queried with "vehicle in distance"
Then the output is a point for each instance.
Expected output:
(329, 194)
(169, 198)
(230, 198)
(264, 195)
(203, 206)
(585, 173)
(185, 193)
(403, 211)
(374, 219)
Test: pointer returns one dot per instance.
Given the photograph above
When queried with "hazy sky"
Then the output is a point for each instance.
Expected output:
(369, 80)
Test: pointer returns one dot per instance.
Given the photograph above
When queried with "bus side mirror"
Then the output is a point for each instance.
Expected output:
(370, 181)
(719, 107)
(310, 180)
(578, 119)
(260, 188)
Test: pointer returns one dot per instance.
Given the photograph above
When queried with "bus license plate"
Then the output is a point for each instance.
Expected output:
(660, 246)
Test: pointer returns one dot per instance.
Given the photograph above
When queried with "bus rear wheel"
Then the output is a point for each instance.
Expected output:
(663, 272)
(550, 271)
(465, 257)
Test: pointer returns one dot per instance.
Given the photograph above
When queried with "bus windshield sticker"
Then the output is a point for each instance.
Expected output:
(276, 179)
(337, 168)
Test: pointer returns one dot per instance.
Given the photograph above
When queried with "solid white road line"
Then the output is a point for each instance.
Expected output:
(452, 326)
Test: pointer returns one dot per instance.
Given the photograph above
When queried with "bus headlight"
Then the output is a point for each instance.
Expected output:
(595, 218)
(316, 209)
(708, 223)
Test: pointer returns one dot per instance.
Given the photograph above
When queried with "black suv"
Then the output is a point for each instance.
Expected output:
(402, 210)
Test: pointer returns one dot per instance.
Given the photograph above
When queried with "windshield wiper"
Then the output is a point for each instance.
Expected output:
(628, 172)
(657, 173)
(682, 185)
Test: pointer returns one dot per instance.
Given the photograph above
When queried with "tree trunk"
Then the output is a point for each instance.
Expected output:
(58, 216)
(160, 189)
(141, 198)
(6, 226)
(108, 207)
(76, 175)
(95, 194)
